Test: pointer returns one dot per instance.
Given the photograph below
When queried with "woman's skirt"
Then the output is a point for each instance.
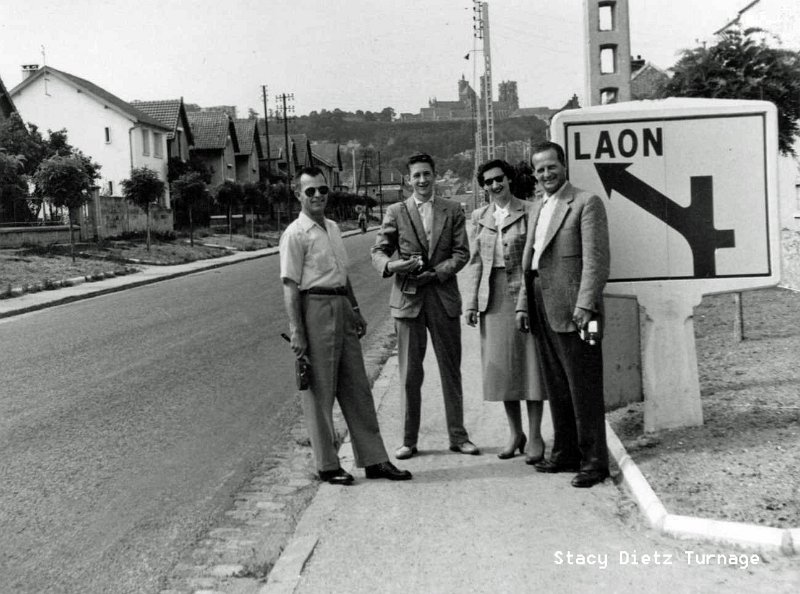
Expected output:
(508, 356)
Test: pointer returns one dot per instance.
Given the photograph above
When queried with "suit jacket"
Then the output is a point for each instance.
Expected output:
(483, 235)
(574, 263)
(447, 253)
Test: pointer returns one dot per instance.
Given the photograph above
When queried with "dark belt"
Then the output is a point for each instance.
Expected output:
(325, 291)
(532, 273)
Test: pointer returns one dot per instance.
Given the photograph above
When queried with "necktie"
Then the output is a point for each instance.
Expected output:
(425, 214)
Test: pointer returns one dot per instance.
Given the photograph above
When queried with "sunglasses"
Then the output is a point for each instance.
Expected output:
(488, 181)
(323, 191)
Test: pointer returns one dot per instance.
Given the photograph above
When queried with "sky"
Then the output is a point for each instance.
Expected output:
(346, 54)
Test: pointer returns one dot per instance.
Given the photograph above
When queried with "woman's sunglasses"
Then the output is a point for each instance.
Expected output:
(488, 181)
(323, 191)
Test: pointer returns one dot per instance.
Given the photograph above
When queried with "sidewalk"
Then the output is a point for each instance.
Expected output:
(480, 524)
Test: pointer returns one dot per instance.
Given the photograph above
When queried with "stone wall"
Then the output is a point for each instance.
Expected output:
(14, 237)
(112, 216)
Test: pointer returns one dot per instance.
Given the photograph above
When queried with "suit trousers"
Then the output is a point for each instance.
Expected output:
(337, 372)
(412, 341)
(573, 379)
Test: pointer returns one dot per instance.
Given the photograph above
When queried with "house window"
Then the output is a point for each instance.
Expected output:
(608, 59)
(158, 139)
(108, 134)
(606, 14)
(145, 142)
(608, 96)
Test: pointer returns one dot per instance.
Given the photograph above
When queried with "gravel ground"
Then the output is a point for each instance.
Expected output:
(741, 465)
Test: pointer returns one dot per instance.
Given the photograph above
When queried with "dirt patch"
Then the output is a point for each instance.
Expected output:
(741, 465)
(23, 268)
(43, 266)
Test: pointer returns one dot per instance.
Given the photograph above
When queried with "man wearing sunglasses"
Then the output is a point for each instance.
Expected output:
(428, 234)
(325, 326)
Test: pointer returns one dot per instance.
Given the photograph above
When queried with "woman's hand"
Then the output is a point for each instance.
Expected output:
(523, 322)
(361, 324)
(471, 317)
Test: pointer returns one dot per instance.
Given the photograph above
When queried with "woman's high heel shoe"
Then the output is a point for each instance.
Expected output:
(533, 460)
(519, 444)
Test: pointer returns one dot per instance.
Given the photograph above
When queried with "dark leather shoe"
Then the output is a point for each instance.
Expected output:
(336, 477)
(405, 452)
(549, 466)
(386, 470)
(467, 447)
(589, 478)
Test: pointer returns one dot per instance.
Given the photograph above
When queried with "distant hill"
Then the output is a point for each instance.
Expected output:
(451, 143)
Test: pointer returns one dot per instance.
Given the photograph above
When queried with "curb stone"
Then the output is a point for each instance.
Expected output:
(759, 539)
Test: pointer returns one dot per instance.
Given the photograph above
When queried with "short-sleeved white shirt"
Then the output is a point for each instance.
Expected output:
(312, 257)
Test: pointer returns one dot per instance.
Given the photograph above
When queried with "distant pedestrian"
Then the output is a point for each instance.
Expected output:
(510, 368)
(428, 234)
(362, 221)
(326, 325)
(566, 264)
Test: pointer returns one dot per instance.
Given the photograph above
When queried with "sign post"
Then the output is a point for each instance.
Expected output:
(692, 202)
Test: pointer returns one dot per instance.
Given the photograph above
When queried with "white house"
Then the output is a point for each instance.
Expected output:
(109, 130)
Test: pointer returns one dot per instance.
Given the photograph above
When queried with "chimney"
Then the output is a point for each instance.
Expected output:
(28, 70)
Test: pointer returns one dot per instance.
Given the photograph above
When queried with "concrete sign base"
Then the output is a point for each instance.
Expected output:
(670, 379)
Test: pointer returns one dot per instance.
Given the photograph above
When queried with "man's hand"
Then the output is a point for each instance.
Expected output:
(405, 266)
(361, 324)
(471, 317)
(523, 322)
(299, 344)
(581, 317)
(425, 278)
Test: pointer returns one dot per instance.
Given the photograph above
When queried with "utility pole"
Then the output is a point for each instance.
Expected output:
(380, 186)
(477, 32)
(355, 178)
(286, 110)
(266, 130)
(487, 56)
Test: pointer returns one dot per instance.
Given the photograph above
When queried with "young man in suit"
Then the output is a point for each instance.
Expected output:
(429, 235)
(566, 259)
(326, 325)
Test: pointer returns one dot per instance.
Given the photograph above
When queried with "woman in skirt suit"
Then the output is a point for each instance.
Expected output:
(494, 277)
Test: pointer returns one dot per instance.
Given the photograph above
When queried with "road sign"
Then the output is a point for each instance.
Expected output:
(691, 194)
(689, 186)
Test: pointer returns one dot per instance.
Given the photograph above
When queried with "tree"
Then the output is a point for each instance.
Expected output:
(143, 188)
(13, 187)
(65, 182)
(24, 142)
(229, 194)
(742, 66)
(252, 197)
(176, 167)
(188, 191)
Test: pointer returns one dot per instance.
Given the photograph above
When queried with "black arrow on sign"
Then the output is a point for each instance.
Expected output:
(694, 222)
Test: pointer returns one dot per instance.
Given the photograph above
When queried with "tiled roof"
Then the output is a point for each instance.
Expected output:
(98, 92)
(329, 153)
(6, 104)
(211, 129)
(167, 112)
(245, 131)
(301, 145)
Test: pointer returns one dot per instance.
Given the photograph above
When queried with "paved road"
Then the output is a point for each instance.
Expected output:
(127, 421)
